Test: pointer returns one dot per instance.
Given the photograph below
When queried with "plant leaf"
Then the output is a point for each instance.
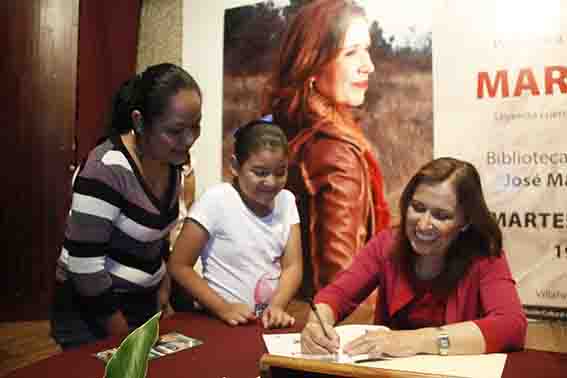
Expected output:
(131, 358)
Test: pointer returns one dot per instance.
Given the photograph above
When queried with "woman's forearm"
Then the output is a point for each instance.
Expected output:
(325, 312)
(464, 338)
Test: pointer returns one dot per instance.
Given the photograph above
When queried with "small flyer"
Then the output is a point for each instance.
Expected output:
(166, 344)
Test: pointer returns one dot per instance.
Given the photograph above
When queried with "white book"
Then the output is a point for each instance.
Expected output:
(470, 366)
(289, 344)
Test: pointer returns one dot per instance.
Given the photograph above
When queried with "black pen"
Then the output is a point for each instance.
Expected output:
(319, 318)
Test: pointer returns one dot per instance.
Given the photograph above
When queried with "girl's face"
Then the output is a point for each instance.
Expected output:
(172, 135)
(434, 219)
(261, 178)
(345, 79)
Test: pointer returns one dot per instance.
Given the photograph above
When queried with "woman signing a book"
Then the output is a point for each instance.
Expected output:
(444, 282)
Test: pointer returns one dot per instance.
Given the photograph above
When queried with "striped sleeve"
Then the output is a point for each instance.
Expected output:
(95, 206)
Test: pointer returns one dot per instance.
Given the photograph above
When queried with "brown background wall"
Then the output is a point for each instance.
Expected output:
(161, 36)
(62, 60)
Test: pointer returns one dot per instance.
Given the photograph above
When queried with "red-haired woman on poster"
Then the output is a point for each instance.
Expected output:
(321, 76)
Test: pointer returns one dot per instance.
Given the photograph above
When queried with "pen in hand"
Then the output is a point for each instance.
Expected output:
(319, 318)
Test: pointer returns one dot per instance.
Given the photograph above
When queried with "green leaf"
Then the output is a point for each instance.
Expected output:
(131, 358)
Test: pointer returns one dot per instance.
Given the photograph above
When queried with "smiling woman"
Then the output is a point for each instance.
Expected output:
(111, 275)
(320, 78)
(433, 221)
(444, 283)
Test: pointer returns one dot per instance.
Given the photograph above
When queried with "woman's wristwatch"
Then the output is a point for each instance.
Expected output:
(443, 342)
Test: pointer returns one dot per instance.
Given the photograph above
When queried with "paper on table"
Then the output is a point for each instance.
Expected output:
(472, 366)
(288, 344)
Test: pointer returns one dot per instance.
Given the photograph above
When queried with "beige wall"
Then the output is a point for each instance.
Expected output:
(160, 39)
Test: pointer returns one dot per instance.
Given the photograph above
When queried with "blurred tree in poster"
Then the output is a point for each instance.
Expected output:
(251, 36)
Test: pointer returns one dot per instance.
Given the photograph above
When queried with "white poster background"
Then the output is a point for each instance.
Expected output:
(510, 138)
(468, 38)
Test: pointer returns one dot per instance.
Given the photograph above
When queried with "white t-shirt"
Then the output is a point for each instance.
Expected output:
(241, 260)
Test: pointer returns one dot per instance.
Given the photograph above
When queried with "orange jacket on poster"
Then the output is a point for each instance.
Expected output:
(340, 196)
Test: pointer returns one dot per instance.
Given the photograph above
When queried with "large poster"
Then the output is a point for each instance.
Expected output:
(501, 102)
(398, 112)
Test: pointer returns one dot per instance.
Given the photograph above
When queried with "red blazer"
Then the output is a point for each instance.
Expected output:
(486, 294)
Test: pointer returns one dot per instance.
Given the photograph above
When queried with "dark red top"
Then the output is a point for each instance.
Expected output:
(425, 310)
(486, 294)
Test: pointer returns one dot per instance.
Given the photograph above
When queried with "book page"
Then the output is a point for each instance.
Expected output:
(471, 366)
(289, 344)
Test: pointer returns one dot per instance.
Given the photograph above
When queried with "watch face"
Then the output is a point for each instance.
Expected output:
(443, 344)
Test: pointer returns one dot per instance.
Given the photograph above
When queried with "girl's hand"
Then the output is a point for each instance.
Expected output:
(391, 343)
(237, 313)
(276, 317)
(314, 341)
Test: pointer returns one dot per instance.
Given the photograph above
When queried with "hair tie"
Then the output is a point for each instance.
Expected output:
(266, 120)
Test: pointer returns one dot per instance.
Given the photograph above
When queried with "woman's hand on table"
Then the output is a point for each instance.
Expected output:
(314, 340)
(388, 342)
(237, 313)
(276, 317)
(164, 293)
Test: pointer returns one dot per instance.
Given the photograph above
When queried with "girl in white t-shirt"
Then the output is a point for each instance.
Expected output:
(247, 235)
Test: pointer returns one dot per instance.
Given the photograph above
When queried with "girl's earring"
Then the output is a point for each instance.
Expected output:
(140, 127)
(139, 130)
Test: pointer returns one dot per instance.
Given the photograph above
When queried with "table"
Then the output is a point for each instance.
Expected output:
(231, 352)
(528, 363)
(236, 352)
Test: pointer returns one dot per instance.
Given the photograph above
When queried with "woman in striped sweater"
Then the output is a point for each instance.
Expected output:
(111, 275)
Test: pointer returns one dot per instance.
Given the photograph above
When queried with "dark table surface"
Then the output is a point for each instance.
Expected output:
(234, 352)
(230, 352)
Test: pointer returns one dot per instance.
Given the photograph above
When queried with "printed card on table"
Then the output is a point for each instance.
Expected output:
(167, 344)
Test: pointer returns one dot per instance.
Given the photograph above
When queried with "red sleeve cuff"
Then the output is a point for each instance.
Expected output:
(490, 334)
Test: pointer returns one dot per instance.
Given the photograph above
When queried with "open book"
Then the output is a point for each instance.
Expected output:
(473, 366)
(289, 344)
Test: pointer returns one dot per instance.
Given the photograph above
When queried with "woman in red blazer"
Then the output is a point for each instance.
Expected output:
(444, 283)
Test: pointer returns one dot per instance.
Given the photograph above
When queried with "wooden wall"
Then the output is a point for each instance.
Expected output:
(61, 60)
(108, 37)
(38, 70)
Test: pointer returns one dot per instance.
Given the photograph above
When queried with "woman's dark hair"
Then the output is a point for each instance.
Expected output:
(480, 237)
(257, 135)
(312, 41)
(148, 92)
